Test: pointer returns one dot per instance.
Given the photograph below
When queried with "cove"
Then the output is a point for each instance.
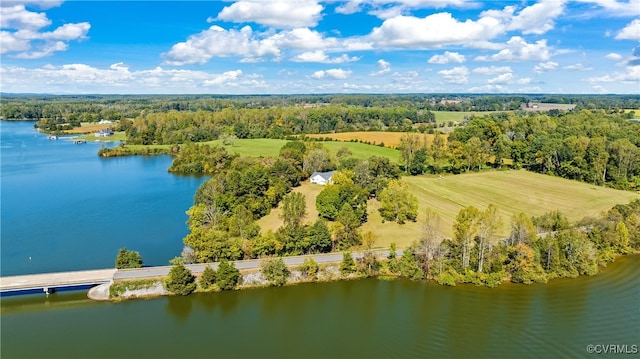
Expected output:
(368, 318)
(64, 208)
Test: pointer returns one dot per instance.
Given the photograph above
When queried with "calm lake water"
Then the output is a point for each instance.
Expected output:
(352, 319)
(69, 209)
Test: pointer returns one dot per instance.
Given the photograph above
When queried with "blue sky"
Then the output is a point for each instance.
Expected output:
(314, 46)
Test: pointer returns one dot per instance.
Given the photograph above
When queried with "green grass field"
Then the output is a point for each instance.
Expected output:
(264, 147)
(446, 116)
(511, 191)
(118, 136)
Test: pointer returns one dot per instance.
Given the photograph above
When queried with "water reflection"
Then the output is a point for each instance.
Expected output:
(179, 307)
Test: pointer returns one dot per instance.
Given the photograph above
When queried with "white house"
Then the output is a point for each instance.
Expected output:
(321, 178)
(103, 133)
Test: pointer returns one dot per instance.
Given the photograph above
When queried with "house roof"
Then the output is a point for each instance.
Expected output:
(325, 175)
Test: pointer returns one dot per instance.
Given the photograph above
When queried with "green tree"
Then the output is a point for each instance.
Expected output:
(397, 203)
(128, 259)
(522, 230)
(409, 144)
(207, 278)
(368, 265)
(409, 266)
(522, 265)
(392, 259)
(346, 229)
(180, 280)
(318, 160)
(348, 265)
(319, 237)
(293, 209)
(464, 229)
(227, 276)
(276, 271)
(309, 269)
(489, 223)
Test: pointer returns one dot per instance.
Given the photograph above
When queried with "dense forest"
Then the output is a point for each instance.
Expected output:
(593, 146)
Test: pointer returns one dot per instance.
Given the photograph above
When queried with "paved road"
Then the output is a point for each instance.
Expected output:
(55, 280)
(242, 265)
(66, 279)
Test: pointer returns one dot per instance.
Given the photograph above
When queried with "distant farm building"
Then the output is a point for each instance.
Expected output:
(105, 132)
(321, 178)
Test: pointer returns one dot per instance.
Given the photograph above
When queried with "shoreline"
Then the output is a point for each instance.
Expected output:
(253, 279)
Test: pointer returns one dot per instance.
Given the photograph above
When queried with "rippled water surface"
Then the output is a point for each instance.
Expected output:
(352, 319)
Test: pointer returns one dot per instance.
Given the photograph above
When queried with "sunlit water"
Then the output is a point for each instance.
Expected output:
(64, 208)
(352, 319)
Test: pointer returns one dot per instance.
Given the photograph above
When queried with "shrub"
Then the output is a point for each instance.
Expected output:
(275, 271)
(228, 276)
(180, 280)
(128, 259)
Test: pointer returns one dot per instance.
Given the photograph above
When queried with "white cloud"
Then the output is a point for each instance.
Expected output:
(545, 66)
(501, 79)
(25, 36)
(524, 81)
(613, 56)
(488, 88)
(456, 75)
(617, 8)
(493, 70)
(537, 18)
(216, 41)
(118, 78)
(447, 57)
(517, 49)
(577, 67)
(252, 46)
(385, 9)
(17, 17)
(302, 39)
(632, 75)
(279, 14)
(384, 68)
(433, 31)
(336, 74)
(321, 57)
(630, 32)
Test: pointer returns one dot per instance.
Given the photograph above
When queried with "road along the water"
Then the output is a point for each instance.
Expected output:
(51, 281)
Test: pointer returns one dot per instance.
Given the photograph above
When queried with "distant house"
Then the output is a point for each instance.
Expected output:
(321, 178)
(103, 122)
(105, 132)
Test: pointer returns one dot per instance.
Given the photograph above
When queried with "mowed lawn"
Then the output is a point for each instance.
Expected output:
(310, 191)
(265, 147)
(390, 139)
(511, 191)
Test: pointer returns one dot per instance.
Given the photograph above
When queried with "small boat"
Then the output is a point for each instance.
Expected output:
(79, 142)
(52, 137)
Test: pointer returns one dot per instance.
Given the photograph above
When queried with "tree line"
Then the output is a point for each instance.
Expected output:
(591, 146)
